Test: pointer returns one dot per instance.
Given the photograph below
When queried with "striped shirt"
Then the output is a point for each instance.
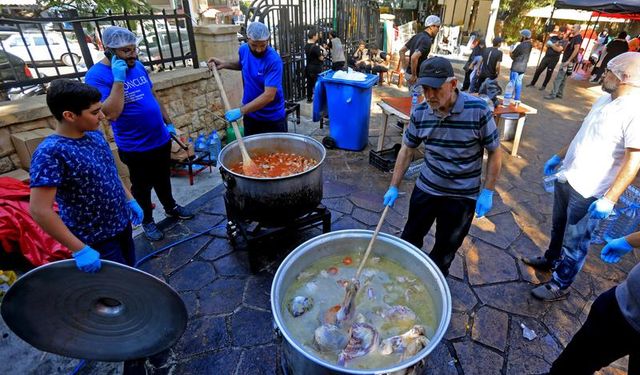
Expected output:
(454, 146)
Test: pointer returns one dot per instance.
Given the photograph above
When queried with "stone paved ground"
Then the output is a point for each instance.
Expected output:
(230, 325)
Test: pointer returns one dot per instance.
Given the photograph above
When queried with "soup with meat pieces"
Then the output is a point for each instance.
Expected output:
(391, 317)
(277, 164)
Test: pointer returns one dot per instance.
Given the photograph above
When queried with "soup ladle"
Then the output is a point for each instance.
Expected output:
(249, 167)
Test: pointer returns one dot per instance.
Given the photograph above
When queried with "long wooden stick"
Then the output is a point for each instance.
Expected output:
(373, 239)
(248, 165)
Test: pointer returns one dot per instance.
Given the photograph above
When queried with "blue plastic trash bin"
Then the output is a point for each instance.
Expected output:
(349, 105)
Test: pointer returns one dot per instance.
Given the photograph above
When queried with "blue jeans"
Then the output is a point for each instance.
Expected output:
(570, 233)
(517, 81)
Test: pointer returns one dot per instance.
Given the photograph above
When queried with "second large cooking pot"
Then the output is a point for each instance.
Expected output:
(272, 201)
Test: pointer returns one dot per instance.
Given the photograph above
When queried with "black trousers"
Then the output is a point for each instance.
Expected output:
(605, 337)
(253, 126)
(467, 80)
(453, 216)
(119, 248)
(338, 65)
(312, 72)
(150, 170)
(548, 63)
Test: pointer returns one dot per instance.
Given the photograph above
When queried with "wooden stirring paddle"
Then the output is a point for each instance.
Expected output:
(373, 239)
(249, 167)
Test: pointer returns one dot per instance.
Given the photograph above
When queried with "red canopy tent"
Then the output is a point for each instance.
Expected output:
(627, 16)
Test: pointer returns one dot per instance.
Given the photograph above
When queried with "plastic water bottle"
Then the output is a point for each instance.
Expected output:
(508, 94)
(627, 218)
(548, 182)
(214, 145)
(201, 143)
(414, 100)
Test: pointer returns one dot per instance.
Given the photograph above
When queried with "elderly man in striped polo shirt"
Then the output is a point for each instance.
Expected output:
(455, 128)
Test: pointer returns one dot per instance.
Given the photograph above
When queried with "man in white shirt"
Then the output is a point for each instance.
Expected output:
(599, 164)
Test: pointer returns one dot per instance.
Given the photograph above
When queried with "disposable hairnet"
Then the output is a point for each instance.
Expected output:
(258, 31)
(626, 67)
(526, 33)
(432, 20)
(118, 37)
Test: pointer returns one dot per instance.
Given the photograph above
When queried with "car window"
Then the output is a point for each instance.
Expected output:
(18, 42)
(38, 41)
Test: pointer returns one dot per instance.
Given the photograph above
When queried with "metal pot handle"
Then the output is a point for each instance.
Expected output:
(227, 179)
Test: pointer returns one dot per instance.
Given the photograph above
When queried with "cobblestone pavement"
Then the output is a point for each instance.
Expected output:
(227, 291)
(230, 328)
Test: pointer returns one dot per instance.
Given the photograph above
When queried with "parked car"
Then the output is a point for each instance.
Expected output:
(35, 43)
(14, 69)
(161, 44)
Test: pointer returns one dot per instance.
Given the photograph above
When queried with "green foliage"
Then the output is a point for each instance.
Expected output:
(512, 12)
(100, 6)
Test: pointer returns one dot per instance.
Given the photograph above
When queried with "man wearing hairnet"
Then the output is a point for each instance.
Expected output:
(140, 124)
(261, 66)
(592, 173)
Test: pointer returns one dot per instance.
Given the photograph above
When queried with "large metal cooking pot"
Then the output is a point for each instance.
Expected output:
(273, 200)
(298, 361)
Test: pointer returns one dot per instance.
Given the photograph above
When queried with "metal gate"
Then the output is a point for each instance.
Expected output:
(290, 20)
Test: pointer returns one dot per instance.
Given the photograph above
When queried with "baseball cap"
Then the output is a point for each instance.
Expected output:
(432, 20)
(525, 33)
(434, 72)
(497, 40)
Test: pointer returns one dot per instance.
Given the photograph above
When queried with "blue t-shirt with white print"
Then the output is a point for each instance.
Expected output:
(140, 126)
(89, 193)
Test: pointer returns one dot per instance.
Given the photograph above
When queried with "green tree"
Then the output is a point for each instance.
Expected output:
(512, 13)
(100, 6)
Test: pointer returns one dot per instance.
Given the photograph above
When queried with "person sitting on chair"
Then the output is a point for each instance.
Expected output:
(361, 56)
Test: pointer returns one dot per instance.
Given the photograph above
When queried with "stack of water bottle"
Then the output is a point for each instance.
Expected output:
(210, 144)
(624, 220)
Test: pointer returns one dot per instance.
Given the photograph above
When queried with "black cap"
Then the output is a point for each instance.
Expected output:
(434, 72)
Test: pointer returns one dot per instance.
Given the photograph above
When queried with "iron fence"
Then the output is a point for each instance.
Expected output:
(37, 50)
(290, 20)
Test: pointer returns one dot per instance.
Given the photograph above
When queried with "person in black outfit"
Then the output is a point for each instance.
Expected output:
(555, 46)
(490, 68)
(520, 56)
(468, 67)
(614, 48)
(314, 63)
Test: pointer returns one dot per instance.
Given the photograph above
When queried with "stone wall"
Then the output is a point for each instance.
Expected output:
(191, 97)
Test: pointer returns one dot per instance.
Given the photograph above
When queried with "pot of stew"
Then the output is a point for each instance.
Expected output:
(388, 322)
(288, 183)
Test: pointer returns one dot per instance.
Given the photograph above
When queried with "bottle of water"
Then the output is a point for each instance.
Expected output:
(201, 143)
(627, 218)
(214, 145)
(414, 101)
(508, 94)
(548, 182)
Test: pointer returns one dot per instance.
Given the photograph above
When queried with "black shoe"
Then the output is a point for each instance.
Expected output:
(152, 232)
(542, 88)
(559, 96)
(180, 212)
(530, 85)
(539, 262)
(549, 97)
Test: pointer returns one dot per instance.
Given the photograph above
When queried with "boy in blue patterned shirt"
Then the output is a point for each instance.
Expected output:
(75, 167)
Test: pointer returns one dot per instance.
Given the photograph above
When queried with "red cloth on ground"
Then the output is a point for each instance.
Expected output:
(18, 230)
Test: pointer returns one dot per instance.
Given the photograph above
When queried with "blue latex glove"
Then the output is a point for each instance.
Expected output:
(484, 203)
(233, 115)
(551, 165)
(119, 69)
(87, 259)
(601, 209)
(615, 249)
(171, 129)
(135, 212)
(390, 196)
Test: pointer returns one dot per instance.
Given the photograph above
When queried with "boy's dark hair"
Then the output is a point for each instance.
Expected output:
(622, 35)
(70, 95)
(312, 33)
(333, 34)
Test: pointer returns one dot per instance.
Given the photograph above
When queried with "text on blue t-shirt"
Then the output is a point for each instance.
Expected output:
(140, 126)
